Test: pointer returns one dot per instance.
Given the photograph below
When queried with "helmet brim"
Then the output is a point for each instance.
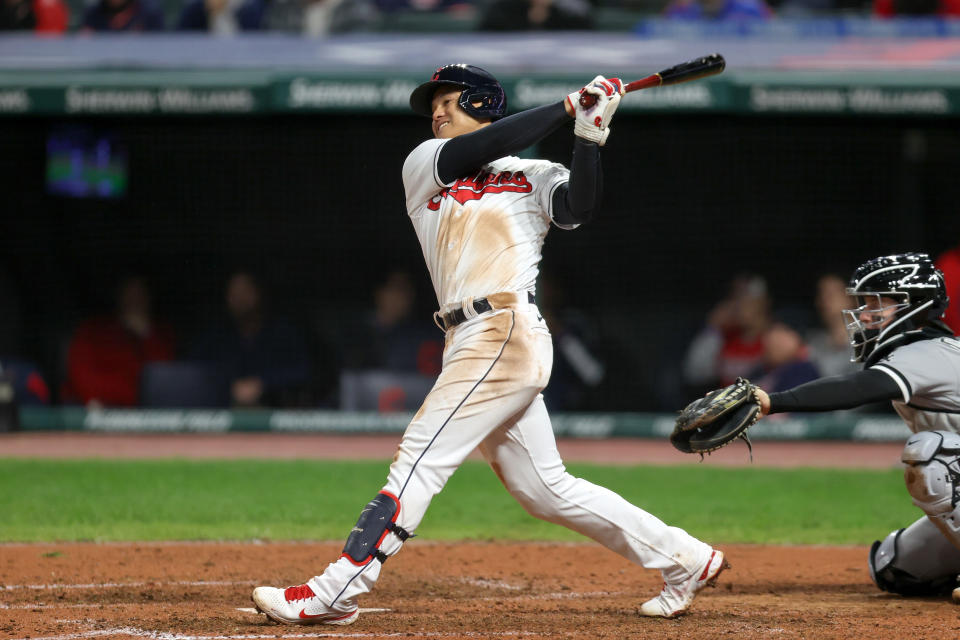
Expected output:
(421, 100)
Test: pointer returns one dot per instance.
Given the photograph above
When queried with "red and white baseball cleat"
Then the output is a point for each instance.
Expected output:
(675, 599)
(299, 605)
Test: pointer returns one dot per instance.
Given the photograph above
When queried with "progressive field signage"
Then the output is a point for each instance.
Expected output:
(827, 426)
(244, 92)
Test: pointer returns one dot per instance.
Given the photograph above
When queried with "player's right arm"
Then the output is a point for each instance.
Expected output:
(835, 392)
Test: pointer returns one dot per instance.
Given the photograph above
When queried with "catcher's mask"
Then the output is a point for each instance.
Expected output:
(482, 95)
(915, 293)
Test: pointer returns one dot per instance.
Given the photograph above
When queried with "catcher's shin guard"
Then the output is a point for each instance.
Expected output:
(932, 476)
(377, 519)
(916, 561)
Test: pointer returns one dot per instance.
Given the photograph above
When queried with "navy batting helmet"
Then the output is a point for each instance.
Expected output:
(914, 284)
(479, 88)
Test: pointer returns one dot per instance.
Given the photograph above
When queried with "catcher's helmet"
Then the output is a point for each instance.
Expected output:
(916, 286)
(478, 87)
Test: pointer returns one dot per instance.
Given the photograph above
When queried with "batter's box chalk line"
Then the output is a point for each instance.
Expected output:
(487, 583)
(562, 595)
(117, 585)
(134, 632)
(361, 610)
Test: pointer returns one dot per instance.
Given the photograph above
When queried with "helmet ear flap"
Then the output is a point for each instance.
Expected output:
(479, 86)
(482, 104)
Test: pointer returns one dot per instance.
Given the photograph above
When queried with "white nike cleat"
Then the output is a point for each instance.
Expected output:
(299, 605)
(675, 599)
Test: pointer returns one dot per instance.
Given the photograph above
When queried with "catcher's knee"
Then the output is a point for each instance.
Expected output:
(912, 562)
(932, 476)
(376, 520)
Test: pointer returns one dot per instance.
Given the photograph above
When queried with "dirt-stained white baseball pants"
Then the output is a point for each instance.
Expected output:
(488, 396)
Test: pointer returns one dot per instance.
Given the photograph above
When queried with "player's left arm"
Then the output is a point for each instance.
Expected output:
(835, 392)
(575, 201)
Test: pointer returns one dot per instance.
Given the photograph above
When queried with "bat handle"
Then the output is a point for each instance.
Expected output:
(587, 100)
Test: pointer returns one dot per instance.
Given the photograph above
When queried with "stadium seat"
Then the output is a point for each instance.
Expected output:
(182, 385)
(383, 391)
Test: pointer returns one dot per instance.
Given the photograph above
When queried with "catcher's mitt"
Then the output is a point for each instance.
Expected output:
(719, 417)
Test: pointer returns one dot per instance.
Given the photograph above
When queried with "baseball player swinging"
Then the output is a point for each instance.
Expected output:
(481, 215)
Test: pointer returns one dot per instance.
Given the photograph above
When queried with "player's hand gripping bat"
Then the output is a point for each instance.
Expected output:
(684, 72)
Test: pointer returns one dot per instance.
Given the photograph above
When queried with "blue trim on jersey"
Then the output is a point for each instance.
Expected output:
(513, 323)
(436, 165)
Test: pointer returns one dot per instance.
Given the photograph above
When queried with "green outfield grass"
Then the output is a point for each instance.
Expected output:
(45, 500)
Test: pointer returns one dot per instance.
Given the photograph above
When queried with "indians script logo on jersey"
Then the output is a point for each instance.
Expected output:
(481, 184)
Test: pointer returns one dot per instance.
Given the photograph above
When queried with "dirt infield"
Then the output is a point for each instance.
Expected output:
(382, 447)
(450, 591)
(197, 591)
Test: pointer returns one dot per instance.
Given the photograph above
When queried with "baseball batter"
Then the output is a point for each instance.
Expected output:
(913, 359)
(481, 215)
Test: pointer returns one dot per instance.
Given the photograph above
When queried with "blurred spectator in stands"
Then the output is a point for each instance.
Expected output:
(785, 363)
(317, 18)
(29, 385)
(828, 343)
(222, 17)
(264, 357)
(894, 8)
(530, 15)
(18, 373)
(392, 335)
(123, 15)
(106, 353)
(949, 263)
(11, 318)
(40, 16)
(731, 343)
(577, 369)
(813, 8)
(718, 10)
(446, 6)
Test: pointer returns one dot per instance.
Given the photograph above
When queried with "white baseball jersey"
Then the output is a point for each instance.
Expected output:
(481, 234)
(928, 374)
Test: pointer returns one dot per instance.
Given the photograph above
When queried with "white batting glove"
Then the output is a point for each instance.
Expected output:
(593, 122)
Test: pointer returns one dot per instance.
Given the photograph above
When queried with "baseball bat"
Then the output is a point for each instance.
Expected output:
(684, 72)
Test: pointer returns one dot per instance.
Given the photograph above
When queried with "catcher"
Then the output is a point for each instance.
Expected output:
(910, 357)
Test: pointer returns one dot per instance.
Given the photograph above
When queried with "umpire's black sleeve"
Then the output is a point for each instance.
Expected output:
(837, 392)
(464, 155)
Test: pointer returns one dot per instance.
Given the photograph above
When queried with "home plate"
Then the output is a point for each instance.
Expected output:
(362, 610)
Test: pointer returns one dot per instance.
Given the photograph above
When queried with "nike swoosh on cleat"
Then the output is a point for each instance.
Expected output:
(306, 616)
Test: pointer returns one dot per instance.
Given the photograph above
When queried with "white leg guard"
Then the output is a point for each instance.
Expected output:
(916, 561)
(933, 478)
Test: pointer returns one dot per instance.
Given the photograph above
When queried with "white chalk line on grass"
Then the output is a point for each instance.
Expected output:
(117, 585)
(135, 632)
